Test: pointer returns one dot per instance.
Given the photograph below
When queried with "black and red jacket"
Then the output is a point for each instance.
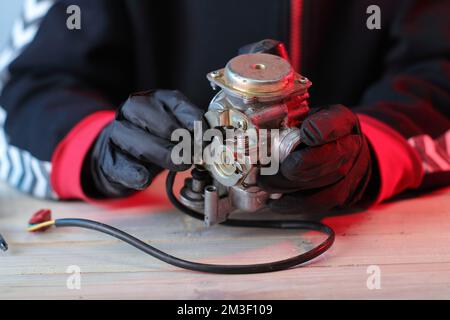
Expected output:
(60, 87)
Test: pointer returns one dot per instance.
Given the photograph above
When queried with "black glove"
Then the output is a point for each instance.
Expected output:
(330, 169)
(269, 46)
(136, 146)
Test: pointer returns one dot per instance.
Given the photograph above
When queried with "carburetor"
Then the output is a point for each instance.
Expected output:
(261, 102)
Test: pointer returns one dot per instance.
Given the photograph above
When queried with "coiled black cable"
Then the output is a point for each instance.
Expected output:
(214, 268)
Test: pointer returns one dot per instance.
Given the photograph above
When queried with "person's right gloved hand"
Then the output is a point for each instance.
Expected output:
(136, 146)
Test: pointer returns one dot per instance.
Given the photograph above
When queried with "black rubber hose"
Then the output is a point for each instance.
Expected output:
(214, 268)
(3, 244)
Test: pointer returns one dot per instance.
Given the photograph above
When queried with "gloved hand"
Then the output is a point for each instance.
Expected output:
(330, 169)
(136, 146)
(269, 46)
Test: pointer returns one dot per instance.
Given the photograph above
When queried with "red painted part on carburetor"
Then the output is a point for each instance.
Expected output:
(297, 109)
(282, 52)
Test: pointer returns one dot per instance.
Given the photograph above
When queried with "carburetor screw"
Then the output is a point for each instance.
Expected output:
(249, 100)
(303, 80)
(242, 125)
(215, 74)
(242, 143)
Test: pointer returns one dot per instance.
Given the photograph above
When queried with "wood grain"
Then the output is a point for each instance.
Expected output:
(409, 240)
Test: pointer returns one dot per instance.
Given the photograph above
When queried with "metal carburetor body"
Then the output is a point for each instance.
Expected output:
(259, 93)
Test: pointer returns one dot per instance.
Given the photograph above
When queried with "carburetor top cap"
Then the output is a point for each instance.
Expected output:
(258, 73)
(259, 76)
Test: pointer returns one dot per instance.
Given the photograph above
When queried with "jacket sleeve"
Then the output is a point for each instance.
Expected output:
(59, 88)
(406, 114)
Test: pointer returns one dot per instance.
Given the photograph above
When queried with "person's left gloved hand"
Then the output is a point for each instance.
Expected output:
(329, 170)
(269, 46)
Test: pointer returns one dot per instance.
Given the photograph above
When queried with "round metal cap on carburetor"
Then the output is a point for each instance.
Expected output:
(258, 77)
(258, 73)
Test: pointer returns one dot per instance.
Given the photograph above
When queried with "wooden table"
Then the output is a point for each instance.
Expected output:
(408, 241)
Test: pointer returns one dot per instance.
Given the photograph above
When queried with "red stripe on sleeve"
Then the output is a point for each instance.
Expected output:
(399, 165)
(67, 160)
(296, 33)
(67, 163)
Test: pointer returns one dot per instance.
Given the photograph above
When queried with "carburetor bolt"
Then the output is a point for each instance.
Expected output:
(215, 74)
(242, 125)
(249, 100)
(242, 143)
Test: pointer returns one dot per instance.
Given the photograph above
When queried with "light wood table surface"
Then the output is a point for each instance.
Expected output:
(408, 241)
